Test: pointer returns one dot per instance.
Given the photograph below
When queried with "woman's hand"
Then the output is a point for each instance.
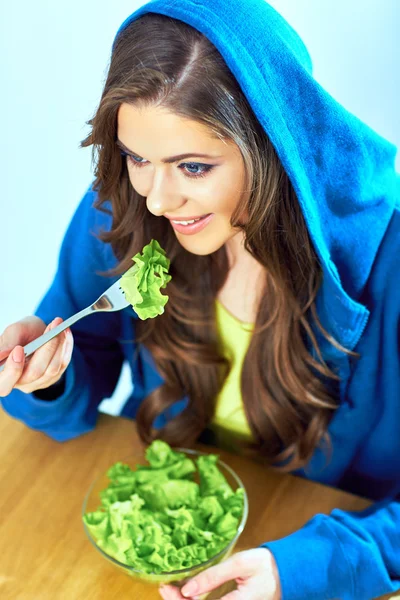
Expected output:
(41, 370)
(254, 571)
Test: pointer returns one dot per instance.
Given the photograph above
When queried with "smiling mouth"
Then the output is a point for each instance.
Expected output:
(189, 221)
(191, 226)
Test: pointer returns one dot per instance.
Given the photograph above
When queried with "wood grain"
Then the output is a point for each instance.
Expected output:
(44, 552)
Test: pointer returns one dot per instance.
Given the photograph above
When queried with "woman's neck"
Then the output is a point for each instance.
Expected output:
(245, 282)
(235, 249)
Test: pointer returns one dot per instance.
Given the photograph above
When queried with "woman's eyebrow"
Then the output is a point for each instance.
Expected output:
(170, 159)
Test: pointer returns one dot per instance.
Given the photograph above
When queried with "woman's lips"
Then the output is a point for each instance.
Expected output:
(192, 228)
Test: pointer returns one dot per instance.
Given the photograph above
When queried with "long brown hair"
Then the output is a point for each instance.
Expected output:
(287, 398)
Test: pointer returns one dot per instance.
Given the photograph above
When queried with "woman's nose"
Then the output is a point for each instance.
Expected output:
(163, 197)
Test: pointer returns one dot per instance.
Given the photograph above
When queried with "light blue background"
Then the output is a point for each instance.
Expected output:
(54, 60)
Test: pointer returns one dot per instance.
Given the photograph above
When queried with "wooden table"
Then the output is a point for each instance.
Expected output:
(44, 552)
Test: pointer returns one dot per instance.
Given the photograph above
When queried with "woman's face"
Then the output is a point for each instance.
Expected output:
(183, 188)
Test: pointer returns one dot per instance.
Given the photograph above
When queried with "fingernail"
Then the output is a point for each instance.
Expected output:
(190, 588)
(18, 354)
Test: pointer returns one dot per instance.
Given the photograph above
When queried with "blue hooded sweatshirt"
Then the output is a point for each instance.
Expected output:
(344, 177)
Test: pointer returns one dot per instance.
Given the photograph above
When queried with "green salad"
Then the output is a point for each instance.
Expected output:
(156, 518)
(142, 283)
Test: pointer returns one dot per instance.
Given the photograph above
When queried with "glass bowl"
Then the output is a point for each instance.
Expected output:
(92, 502)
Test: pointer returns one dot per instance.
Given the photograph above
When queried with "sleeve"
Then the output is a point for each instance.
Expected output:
(97, 358)
(356, 555)
(346, 555)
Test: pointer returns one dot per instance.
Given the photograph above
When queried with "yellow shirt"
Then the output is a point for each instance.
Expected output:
(234, 338)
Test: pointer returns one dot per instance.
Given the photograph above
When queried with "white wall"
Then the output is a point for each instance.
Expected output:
(54, 59)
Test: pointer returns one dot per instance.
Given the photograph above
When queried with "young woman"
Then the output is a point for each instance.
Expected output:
(279, 212)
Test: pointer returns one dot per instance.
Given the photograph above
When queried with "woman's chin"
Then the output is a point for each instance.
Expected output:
(199, 247)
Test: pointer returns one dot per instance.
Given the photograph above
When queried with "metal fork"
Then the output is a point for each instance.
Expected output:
(113, 299)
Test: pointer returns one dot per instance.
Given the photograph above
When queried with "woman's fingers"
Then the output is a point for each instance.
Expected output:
(12, 371)
(20, 334)
(242, 567)
(41, 358)
(42, 369)
(214, 576)
(47, 364)
(170, 592)
(39, 361)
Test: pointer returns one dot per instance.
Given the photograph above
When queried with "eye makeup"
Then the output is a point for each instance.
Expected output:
(204, 169)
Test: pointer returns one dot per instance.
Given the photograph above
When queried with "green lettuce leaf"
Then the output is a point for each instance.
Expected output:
(210, 509)
(159, 454)
(168, 522)
(98, 523)
(142, 283)
(212, 481)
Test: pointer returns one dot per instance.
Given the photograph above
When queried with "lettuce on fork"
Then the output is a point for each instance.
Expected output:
(142, 283)
(156, 518)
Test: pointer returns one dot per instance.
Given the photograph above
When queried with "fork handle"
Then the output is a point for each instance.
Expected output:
(49, 335)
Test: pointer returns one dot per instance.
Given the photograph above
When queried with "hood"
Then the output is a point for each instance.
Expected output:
(342, 171)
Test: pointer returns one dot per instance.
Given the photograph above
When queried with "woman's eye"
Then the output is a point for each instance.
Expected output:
(199, 170)
(191, 170)
(135, 160)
